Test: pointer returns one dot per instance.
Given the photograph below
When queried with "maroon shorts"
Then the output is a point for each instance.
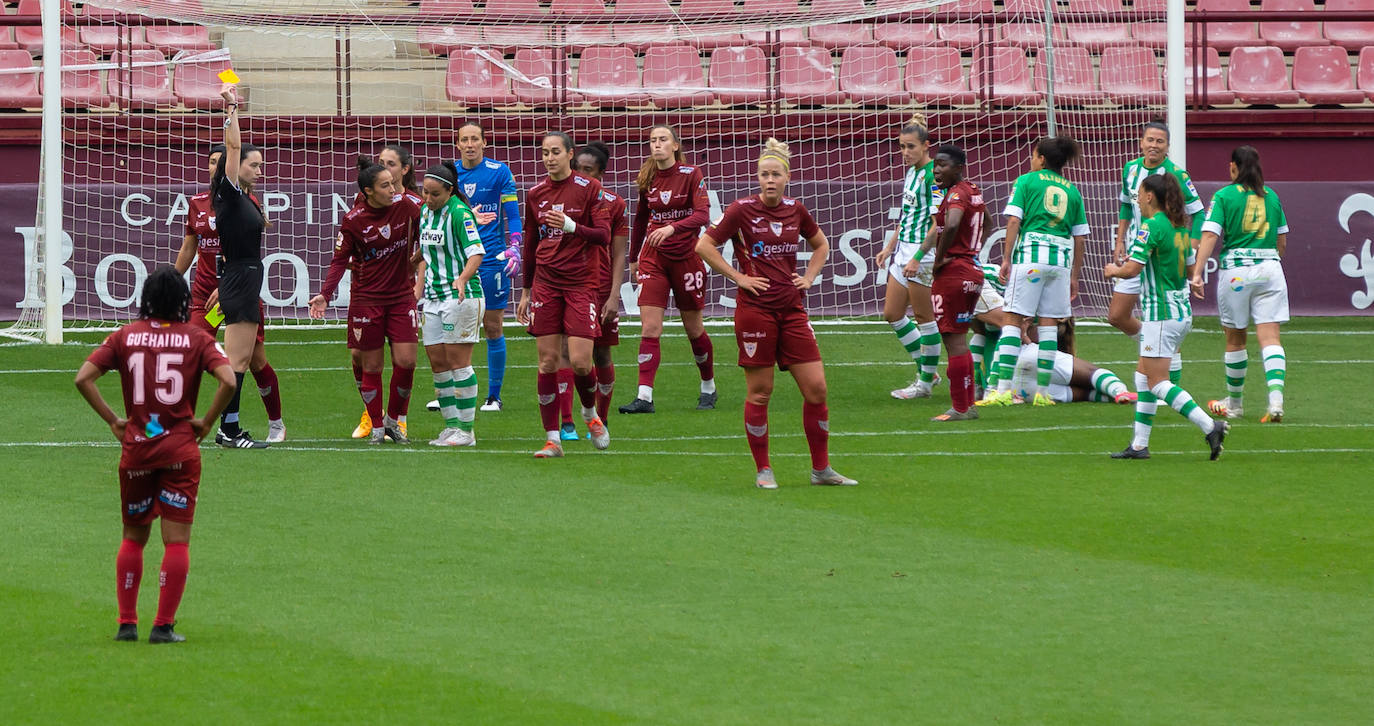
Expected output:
(954, 294)
(558, 311)
(198, 319)
(168, 492)
(685, 279)
(610, 332)
(371, 326)
(769, 337)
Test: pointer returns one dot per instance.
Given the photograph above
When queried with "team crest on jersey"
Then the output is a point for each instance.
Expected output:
(665, 196)
(776, 227)
(469, 189)
(385, 231)
(212, 223)
(558, 207)
(750, 348)
(357, 333)
(338, 242)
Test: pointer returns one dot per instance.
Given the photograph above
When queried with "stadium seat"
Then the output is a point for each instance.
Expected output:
(712, 41)
(739, 75)
(806, 76)
(644, 7)
(141, 86)
(474, 81)
(764, 8)
(1225, 36)
(935, 76)
(106, 39)
(700, 8)
(869, 75)
(841, 35)
(30, 37)
(19, 90)
(904, 35)
(173, 39)
(514, 8)
(964, 36)
(1322, 75)
(535, 63)
(795, 37)
(7, 38)
(447, 39)
(458, 7)
(1074, 82)
(82, 88)
(1352, 36)
(196, 85)
(1028, 31)
(609, 77)
(1010, 76)
(757, 8)
(1217, 95)
(639, 37)
(1131, 77)
(1151, 35)
(1291, 35)
(511, 38)
(577, 8)
(1258, 74)
(1096, 36)
(675, 67)
(1364, 74)
(583, 36)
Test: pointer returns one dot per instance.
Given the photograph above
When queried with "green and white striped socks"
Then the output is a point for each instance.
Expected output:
(1180, 401)
(930, 351)
(1044, 361)
(976, 341)
(448, 404)
(1275, 371)
(1176, 368)
(1145, 406)
(1106, 383)
(908, 336)
(1236, 363)
(465, 398)
(1008, 349)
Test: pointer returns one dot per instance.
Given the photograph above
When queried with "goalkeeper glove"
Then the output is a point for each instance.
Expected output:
(512, 255)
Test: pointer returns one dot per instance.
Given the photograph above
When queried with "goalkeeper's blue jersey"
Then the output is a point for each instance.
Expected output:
(490, 186)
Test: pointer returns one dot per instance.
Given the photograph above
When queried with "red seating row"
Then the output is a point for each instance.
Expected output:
(105, 39)
(140, 87)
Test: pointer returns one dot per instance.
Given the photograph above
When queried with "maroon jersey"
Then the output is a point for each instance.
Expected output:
(200, 221)
(968, 197)
(565, 260)
(159, 367)
(620, 227)
(676, 196)
(377, 244)
(766, 240)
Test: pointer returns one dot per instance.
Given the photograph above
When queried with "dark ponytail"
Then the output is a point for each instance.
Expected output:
(446, 173)
(368, 171)
(403, 156)
(220, 168)
(597, 150)
(165, 296)
(1169, 195)
(1248, 171)
(1058, 151)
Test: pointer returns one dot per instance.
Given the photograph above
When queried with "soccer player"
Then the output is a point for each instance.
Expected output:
(451, 295)
(241, 222)
(378, 235)
(566, 224)
(909, 278)
(1160, 252)
(1073, 379)
(1249, 220)
(771, 325)
(160, 358)
(200, 245)
(673, 207)
(961, 228)
(490, 187)
(1154, 159)
(989, 318)
(1041, 259)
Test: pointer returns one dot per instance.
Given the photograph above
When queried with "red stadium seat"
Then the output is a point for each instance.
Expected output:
(795, 37)
(1032, 35)
(640, 37)
(577, 7)
(904, 35)
(739, 75)
(675, 67)
(1260, 75)
(1096, 36)
(172, 39)
(1290, 35)
(841, 35)
(19, 90)
(1131, 77)
(935, 76)
(511, 38)
(757, 8)
(869, 75)
(1322, 75)
(644, 7)
(474, 81)
(609, 77)
(536, 63)
(514, 8)
(141, 86)
(584, 36)
(106, 39)
(712, 41)
(1215, 88)
(458, 7)
(196, 85)
(699, 8)
(1364, 74)
(1074, 81)
(1010, 76)
(447, 39)
(7, 38)
(1225, 36)
(30, 37)
(964, 35)
(82, 88)
(1350, 35)
(806, 76)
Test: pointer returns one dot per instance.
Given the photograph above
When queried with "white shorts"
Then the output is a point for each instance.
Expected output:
(925, 274)
(1254, 294)
(988, 300)
(1127, 285)
(451, 322)
(1163, 338)
(1042, 290)
(1028, 366)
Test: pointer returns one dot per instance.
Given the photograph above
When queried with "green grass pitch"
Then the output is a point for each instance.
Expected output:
(997, 571)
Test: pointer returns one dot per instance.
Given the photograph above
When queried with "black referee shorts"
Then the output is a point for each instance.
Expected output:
(240, 286)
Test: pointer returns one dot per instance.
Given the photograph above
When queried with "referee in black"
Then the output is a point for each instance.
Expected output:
(240, 222)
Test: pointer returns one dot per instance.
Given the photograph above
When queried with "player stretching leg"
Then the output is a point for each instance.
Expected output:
(566, 224)
(160, 358)
(1249, 220)
(1154, 159)
(673, 207)
(1041, 259)
(771, 325)
(378, 235)
(201, 245)
(1160, 252)
(451, 252)
(909, 277)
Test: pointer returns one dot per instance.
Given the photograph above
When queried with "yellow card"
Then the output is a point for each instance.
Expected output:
(214, 316)
(228, 76)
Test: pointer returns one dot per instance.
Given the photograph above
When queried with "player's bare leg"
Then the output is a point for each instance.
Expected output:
(704, 355)
(1120, 314)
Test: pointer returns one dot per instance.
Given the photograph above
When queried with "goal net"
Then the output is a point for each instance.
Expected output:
(326, 80)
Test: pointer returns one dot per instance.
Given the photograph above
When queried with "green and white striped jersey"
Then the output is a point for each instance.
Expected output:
(990, 277)
(1248, 224)
(1134, 173)
(447, 239)
(1051, 212)
(1164, 251)
(919, 203)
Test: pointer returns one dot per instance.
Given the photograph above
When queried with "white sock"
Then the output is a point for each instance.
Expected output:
(1275, 373)
(554, 437)
(588, 413)
(646, 393)
(1179, 400)
(708, 385)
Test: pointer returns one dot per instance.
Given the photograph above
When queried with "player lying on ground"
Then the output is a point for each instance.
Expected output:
(1072, 378)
